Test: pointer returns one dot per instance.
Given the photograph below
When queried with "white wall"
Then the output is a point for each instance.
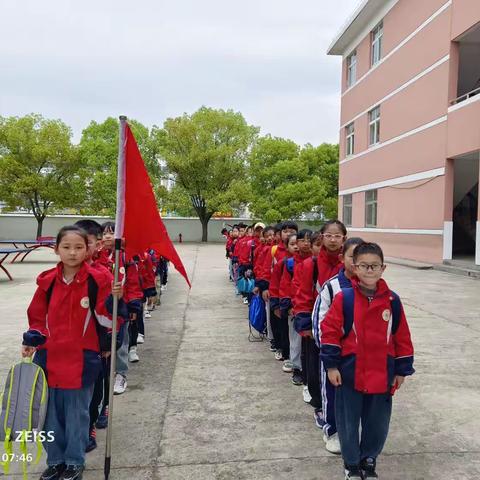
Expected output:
(23, 227)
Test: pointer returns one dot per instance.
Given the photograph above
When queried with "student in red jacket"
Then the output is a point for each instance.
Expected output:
(328, 264)
(132, 296)
(367, 351)
(68, 347)
(102, 384)
(294, 266)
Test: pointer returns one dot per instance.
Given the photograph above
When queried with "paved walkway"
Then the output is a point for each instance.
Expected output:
(204, 403)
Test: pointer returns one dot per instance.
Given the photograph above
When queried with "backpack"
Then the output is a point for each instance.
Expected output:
(257, 315)
(348, 302)
(24, 408)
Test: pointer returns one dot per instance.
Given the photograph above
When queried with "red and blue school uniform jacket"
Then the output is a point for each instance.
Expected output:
(231, 247)
(266, 264)
(262, 267)
(146, 272)
(274, 285)
(306, 292)
(280, 252)
(228, 246)
(286, 289)
(63, 328)
(133, 284)
(297, 276)
(371, 355)
(106, 258)
(259, 259)
(127, 274)
(237, 247)
(245, 251)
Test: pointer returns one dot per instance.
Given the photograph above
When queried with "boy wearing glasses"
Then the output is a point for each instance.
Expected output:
(367, 351)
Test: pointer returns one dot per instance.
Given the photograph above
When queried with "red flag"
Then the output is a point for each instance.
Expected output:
(137, 212)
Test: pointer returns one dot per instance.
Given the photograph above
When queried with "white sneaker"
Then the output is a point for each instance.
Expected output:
(306, 394)
(287, 366)
(133, 355)
(332, 444)
(245, 301)
(140, 338)
(147, 314)
(278, 355)
(120, 384)
(163, 288)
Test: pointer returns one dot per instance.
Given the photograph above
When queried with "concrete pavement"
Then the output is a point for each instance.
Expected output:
(204, 403)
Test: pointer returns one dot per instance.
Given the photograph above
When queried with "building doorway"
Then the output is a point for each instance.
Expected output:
(465, 207)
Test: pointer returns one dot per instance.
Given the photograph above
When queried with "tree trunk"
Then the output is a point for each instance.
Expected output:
(39, 226)
(201, 208)
(204, 221)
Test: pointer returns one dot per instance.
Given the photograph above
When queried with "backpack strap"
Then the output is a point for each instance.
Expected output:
(396, 312)
(330, 290)
(50, 291)
(92, 294)
(315, 273)
(348, 301)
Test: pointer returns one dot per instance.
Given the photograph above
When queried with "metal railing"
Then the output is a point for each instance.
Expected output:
(466, 96)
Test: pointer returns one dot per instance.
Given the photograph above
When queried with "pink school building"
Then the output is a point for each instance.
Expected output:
(410, 127)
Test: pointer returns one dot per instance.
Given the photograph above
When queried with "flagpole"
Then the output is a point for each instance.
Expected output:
(118, 246)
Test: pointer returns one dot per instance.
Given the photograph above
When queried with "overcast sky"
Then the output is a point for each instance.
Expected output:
(153, 59)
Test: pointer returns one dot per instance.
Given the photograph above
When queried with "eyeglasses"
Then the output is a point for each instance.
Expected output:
(365, 267)
(330, 236)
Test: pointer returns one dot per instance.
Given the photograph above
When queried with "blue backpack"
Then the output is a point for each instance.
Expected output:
(348, 302)
(257, 315)
(245, 285)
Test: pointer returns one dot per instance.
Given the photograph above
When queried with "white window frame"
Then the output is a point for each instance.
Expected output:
(376, 44)
(352, 69)
(347, 210)
(350, 139)
(371, 208)
(374, 126)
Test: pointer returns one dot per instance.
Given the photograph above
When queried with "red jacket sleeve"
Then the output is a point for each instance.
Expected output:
(305, 290)
(297, 275)
(275, 280)
(37, 314)
(403, 348)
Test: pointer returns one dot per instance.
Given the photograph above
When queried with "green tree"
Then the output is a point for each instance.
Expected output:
(288, 182)
(207, 153)
(39, 166)
(99, 156)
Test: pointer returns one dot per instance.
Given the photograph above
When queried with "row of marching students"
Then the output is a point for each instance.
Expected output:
(336, 327)
(70, 328)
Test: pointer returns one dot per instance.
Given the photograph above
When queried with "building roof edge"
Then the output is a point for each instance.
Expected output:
(359, 20)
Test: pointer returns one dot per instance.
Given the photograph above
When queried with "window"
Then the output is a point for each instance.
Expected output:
(376, 50)
(374, 122)
(352, 69)
(350, 139)
(347, 210)
(371, 208)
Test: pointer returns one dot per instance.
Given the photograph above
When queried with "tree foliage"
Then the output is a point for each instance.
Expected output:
(289, 182)
(207, 153)
(99, 156)
(40, 168)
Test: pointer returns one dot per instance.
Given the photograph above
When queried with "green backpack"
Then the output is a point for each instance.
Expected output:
(24, 408)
